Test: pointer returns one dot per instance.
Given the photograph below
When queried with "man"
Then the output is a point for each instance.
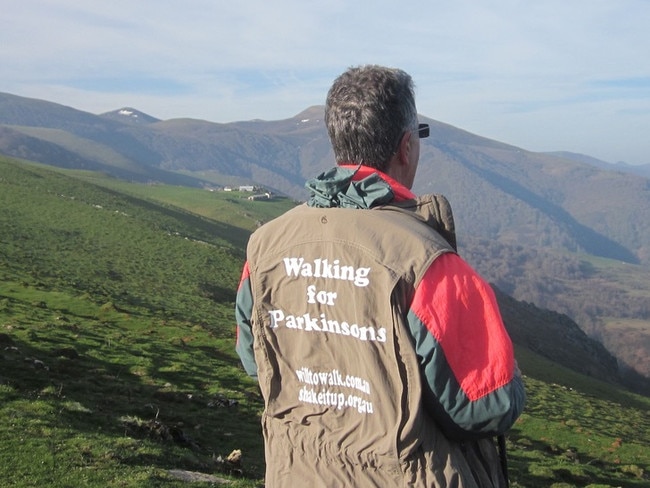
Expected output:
(381, 355)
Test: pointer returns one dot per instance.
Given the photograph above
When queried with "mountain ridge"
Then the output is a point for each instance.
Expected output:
(570, 198)
(509, 203)
(129, 115)
(283, 154)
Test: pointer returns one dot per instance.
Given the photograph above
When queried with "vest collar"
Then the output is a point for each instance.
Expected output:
(355, 186)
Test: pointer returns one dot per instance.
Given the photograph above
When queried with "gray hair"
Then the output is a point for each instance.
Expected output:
(367, 111)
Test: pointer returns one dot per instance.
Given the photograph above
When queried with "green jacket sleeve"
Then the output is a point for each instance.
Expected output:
(243, 313)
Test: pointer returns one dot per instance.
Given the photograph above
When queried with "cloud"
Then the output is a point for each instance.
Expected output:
(535, 74)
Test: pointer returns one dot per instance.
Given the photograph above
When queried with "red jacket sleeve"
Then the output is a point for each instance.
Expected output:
(466, 356)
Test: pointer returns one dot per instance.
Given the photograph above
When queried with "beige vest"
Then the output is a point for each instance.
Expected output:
(336, 362)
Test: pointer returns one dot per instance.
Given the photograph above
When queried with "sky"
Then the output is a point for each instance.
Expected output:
(544, 75)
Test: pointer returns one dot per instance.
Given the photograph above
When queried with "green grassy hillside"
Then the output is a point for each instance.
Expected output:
(117, 363)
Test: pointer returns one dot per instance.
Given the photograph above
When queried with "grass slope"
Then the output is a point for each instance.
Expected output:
(117, 364)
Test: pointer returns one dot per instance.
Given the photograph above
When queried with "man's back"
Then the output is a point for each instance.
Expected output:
(342, 382)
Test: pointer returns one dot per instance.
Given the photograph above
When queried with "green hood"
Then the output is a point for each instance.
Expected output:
(335, 188)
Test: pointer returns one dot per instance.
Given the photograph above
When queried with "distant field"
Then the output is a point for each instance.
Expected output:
(231, 207)
(628, 324)
(634, 279)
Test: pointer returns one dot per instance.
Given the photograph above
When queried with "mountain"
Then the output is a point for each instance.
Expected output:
(638, 169)
(129, 115)
(551, 229)
(498, 191)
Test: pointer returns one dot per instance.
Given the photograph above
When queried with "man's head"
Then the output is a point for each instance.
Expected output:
(372, 120)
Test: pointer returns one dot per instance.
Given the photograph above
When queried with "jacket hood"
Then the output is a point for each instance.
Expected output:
(338, 188)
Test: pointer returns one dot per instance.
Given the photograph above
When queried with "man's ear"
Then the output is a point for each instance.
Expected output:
(404, 148)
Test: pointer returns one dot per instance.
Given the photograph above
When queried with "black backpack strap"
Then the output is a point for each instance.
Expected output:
(501, 440)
